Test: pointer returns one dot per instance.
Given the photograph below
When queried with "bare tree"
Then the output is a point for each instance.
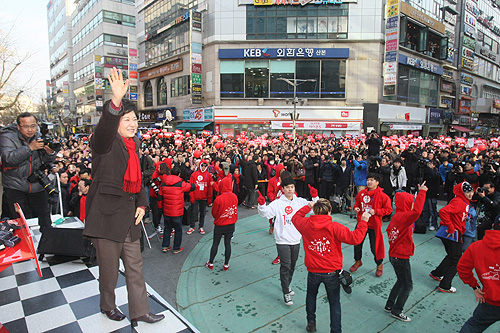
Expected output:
(10, 61)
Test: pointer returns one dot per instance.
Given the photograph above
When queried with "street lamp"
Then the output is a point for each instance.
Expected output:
(295, 83)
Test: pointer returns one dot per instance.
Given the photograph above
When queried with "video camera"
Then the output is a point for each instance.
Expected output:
(48, 139)
(7, 237)
(153, 185)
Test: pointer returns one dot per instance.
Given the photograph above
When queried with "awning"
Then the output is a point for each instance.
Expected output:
(462, 129)
(193, 125)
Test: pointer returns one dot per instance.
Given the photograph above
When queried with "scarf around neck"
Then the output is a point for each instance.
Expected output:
(132, 178)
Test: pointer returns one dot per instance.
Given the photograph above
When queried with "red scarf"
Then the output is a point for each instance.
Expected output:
(83, 201)
(132, 179)
(237, 177)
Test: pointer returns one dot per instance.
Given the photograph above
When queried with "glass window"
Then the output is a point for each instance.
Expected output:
(257, 79)
(403, 83)
(306, 70)
(179, 86)
(281, 69)
(414, 87)
(232, 78)
(161, 92)
(148, 94)
(298, 22)
(417, 87)
(333, 77)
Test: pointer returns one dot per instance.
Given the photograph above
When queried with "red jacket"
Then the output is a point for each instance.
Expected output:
(454, 214)
(274, 184)
(400, 230)
(225, 208)
(171, 196)
(380, 202)
(323, 238)
(203, 182)
(484, 257)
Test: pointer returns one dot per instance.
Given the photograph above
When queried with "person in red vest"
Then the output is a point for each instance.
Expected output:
(201, 196)
(171, 201)
(225, 213)
(374, 201)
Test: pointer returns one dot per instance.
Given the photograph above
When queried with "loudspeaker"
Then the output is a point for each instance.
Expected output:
(65, 241)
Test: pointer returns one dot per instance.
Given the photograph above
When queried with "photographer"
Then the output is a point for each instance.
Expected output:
(491, 201)
(23, 152)
(374, 142)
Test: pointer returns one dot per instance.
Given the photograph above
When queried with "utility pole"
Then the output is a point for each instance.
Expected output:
(295, 83)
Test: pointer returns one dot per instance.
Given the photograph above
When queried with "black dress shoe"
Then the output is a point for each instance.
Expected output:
(114, 314)
(147, 318)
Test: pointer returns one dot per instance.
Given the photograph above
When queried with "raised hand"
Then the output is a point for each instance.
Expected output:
(313, 191)
(119, 87)
(261, 200)
(422, 187)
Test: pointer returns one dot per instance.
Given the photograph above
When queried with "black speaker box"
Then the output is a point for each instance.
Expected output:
(65, 241)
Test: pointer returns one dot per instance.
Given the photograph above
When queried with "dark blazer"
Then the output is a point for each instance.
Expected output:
(110, 210)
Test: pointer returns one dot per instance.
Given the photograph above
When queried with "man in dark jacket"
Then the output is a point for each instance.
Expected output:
(490, 198)
(312, 166)
(328, 172)
(22, 152)
(432, 180)
(251, 180)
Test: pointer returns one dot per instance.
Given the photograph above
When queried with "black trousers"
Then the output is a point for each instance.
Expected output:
(448, 266)
(358, 249)
(227, 231)
(32, 204)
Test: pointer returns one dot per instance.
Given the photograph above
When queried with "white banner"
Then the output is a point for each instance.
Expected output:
(405, 127)
(317, 125)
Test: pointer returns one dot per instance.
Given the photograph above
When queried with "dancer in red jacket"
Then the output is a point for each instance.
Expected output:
(401, 248)
(453, 216)
(484, 257)
(322, 240)
(374, 201)
(225, 213)
(171, 201)
(201, 196)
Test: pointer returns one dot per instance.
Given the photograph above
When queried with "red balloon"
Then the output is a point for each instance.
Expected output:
(187, 134)
(482, 147)
(197, 154)
(281, 138)
(312, 140)
(160, 135)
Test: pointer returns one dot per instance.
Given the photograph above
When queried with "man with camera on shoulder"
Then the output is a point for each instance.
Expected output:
(24, 153)
(491, 203)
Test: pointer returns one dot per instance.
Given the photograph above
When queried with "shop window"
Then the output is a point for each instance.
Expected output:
(410, 34)
(161, 92)
(148, 94)
(281, 69)
(232, 79)
(306, 70)
(257, 79)
(333, 78)
(179, 86)
(417, 87)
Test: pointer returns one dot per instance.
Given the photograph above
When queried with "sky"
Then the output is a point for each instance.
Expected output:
(25, 22)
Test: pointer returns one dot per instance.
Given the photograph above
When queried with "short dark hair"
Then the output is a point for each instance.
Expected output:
(129, 106)
(322, 207)
(24, 115)
(489, 183)
(375, 176)
(86, 182)
(175, 171)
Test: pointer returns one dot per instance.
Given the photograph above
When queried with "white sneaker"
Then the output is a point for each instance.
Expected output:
(159, 230)
(451, 290)
(432, 228)
(291, 292)
(288, 299)
(401, 316)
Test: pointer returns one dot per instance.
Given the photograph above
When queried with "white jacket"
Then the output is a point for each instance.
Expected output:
(284, 209)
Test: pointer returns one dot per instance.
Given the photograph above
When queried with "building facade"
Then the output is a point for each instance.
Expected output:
(60, 55)
(100, 31)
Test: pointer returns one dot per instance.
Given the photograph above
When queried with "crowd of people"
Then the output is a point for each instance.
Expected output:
(179, 175)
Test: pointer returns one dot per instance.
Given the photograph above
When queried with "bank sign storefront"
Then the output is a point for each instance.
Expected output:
(258, 72)
(261, 120)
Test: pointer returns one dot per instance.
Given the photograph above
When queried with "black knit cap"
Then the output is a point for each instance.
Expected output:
(288, 181)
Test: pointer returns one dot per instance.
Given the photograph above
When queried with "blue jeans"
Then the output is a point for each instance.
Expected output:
(176, 223)
(332, 285)
(202, 206)
(430, 212)
(484, 316)
(403, 287)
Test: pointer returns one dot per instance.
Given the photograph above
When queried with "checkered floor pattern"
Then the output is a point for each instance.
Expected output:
(66, 299)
